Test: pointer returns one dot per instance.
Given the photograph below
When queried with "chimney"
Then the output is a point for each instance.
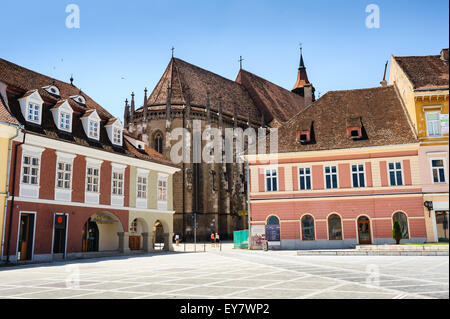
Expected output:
(444, 54)
(308, 91)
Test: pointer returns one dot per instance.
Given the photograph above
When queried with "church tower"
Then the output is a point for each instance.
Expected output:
(303, 87)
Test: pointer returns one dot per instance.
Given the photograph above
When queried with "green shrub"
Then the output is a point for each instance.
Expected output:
(396, 232)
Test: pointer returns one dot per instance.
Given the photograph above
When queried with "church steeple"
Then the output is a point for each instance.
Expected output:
(302, 76)
(303, 87)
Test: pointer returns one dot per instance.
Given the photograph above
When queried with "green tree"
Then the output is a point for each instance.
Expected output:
(396, 232)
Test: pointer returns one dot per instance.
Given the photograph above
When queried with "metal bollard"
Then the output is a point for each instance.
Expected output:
(204, 247)
(220, 246)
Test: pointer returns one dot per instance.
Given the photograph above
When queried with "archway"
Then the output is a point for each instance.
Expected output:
(100, 233)
(138, 227)
(158, 236)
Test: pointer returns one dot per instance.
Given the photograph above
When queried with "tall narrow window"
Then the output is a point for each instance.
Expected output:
(159, 143)
(358, 175)
(117, 135)
(93, 129)
(433, 123)
(63, 175)
(30, 170)
(403, 221)
(395, 173)
(271, 180)
(64, 121)
(331, 179)
(142, 187)
(92, 184)
(117, 183)
(304, 174)
(33, 112)
(308, 228)
(162, 190)
(334, 227)
(437, 167)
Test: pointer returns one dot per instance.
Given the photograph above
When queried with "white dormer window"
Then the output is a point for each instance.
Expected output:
(64, 121)
(31, 107)
(117, 135)
(114, 129)
(93, 129)
(91, 124)
(79, 99)
(33, 113)
(52, 89)
(62, 115)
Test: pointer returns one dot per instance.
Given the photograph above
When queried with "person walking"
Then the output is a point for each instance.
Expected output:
(213, 239)
(217, 239)
(177, 239)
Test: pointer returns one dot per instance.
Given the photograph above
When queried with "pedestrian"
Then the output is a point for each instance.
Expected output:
(177, 239)
(213, 239)
(217, 239)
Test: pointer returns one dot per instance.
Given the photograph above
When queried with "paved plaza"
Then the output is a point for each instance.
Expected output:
(232, 274)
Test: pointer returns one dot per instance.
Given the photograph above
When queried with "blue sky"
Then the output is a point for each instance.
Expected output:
(124, 46)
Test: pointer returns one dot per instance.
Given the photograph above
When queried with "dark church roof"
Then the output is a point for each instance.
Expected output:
(249, 93)
(274, 101)
(426, 72)
(379, 110)
(5, 115)
(185, 78)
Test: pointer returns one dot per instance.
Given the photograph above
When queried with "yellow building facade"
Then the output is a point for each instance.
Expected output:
(423, 85)
(8, 130)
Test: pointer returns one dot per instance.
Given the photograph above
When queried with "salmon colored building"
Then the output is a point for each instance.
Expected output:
(346, 168)
(77, 185)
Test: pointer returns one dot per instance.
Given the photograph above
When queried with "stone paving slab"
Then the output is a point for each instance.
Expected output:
(231, 274)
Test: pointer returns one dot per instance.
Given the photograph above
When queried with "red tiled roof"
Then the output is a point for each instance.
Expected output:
(378, 110)
(425, 72)
(5, 115)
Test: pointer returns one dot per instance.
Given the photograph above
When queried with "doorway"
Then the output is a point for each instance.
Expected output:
(60, 233)
(364, 230)
(442, 226)
(90, 236)
(26, 237)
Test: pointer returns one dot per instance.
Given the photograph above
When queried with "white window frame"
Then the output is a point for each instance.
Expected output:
(142, 202)
(117, 199)
(444, 161)
(63, 122)
(305, 175)
(35, 99)
(271, 169)
(62, 193)
(427, 113)
(91, 131)
(28, 189)
(117, 135)
(92, 197)
(358, 172)
(395, 173)
(331, 174)
(162, 204)
(39, 111)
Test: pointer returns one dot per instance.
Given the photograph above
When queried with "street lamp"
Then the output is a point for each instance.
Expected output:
(429, 205)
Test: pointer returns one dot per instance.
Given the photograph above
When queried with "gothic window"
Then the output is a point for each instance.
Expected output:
(158, 140)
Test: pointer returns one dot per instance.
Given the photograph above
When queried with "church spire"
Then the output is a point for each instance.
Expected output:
(126, 113)
(302, 77)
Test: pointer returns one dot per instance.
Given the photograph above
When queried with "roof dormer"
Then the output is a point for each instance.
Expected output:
(63, 116)
(79, 99)
(31, 107)
(91, 124)
(52, 89)
(354, 128)
(304, 132)
(114, 129)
